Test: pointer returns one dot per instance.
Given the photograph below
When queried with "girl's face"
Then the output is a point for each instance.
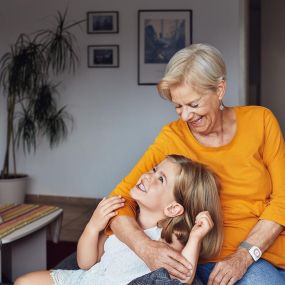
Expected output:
(200, 111)
(154, 189)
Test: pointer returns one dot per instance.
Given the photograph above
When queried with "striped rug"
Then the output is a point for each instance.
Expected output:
(15, 216)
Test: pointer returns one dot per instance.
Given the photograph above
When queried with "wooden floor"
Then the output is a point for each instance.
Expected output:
(74, 220)
(76, 213)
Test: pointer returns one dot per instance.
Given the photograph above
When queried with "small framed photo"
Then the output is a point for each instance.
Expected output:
(103, 56)
(161, 33)
(102, 22)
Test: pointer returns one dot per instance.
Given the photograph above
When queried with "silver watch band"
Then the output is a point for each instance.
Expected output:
(246, 245)
(253, 250)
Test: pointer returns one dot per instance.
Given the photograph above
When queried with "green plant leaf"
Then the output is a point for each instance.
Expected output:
(26, 71)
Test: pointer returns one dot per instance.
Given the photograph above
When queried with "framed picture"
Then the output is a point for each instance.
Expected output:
(161, 33)
(102, 22)
(103, 56)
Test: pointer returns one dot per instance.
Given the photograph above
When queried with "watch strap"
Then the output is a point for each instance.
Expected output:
(253, 250)
(246, 245)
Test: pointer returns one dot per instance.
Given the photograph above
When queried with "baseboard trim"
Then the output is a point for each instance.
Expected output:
(74, 201)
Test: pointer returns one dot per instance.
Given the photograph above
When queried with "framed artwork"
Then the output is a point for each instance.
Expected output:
(161, 33)
(102, 22)
(103, 56)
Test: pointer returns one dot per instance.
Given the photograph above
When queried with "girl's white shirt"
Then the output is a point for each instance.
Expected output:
(118, 265)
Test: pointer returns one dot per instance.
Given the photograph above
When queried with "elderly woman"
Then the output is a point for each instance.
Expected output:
(245, 147)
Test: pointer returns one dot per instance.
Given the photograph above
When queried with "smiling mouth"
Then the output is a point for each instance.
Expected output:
(141, 187)
(196, 121)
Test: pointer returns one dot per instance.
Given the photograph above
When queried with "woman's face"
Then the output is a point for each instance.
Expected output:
(200, 111)
(154, 190)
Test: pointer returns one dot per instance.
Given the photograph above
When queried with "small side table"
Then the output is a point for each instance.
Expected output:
(24, 250)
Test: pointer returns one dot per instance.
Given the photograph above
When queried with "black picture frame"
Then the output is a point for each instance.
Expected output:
(102, 22)
(161, 33)
(103, 56)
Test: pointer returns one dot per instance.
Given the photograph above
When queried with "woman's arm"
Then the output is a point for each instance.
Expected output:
(271, 222)
(91, 242)
(237, 264)
(155, 254)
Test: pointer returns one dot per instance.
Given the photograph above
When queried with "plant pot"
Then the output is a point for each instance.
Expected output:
(14, 189)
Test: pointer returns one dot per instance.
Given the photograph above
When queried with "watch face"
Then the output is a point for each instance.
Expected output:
(255, 252)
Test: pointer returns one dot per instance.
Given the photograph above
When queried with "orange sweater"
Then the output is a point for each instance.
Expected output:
(251, 169)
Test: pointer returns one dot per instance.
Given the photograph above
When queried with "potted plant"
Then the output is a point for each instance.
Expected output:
(27, 75)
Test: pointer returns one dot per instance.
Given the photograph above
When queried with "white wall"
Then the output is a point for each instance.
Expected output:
(115, 119)
(273, 58)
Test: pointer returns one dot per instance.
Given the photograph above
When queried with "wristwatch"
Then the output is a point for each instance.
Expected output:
(253, 250)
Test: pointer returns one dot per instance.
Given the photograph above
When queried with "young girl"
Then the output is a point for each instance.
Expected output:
(177, 201)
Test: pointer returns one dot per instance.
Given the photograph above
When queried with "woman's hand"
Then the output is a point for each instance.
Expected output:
(159, 254)
(231, 269)
(203, 224)
(155, 254)
(105, 210)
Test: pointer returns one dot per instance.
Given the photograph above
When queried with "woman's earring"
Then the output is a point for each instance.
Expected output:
(221, 107)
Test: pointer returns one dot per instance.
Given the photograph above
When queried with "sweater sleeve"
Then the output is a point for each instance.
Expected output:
(154, 155)
(274, 158)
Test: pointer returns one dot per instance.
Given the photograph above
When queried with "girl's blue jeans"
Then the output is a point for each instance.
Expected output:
(261, 272)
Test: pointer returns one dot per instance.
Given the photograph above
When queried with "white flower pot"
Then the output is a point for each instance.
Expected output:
(13, 190)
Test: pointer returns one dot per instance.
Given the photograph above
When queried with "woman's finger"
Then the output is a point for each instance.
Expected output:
(224, 278)
(213, 275)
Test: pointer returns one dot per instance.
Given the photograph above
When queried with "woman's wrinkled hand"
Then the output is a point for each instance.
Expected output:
(231, 269)
(158, 254)
(105, 210)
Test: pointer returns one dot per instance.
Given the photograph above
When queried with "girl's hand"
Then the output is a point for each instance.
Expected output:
(105, 210)
(203, 224)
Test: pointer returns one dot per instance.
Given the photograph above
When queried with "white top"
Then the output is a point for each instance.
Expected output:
(118, 266)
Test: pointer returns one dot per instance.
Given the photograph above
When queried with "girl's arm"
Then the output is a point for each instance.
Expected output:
(91, 243)
(191, 251)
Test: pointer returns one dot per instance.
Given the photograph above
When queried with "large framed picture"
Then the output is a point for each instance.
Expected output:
(161, 33)
(102, 22)
(103, 56)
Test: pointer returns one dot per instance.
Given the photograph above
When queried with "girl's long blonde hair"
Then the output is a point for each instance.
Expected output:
(196, 189)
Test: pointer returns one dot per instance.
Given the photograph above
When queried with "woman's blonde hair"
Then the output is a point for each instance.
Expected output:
(200, 65)
(196, 189)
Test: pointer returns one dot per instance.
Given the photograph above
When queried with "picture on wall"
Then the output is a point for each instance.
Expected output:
(103, 56)
(161, 33)
(102, 22)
